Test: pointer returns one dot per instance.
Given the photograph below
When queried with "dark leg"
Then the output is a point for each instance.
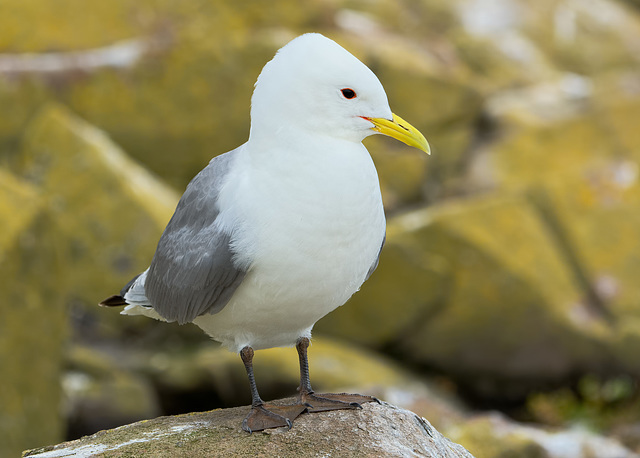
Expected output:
(305, 383)
(328, 401)
(264, 416)
(247, 358)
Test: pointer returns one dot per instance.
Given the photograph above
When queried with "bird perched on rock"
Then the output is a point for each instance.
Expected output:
(270, 237)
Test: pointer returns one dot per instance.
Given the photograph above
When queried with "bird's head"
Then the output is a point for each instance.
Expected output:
(313, 84)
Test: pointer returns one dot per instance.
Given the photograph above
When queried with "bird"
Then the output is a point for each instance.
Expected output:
(270, 237)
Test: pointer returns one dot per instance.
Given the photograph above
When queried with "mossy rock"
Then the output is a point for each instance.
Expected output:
(100, 394)
(368, 432)
(187, 99)
(535, 155)
(33, 328)
(19, 207)
(494, 436)
(407, 287)
(606, 31)
(402, 172)
(108, 212)
(583, 174)
(189, 93)
(482, 437)
(617, 108)
(445, 110)
(509, 311)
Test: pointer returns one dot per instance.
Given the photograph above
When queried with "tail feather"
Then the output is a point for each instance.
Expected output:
(118, 300)
(113, 301)
(131, 294)
(128, 286)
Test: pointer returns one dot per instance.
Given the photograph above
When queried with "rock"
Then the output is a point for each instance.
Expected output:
(502, 44)
(588, 191)
(494, 435)
(376, 430)
(99, 394)
(106, 209)
(437, 62)
(401, 173)
(539, 100)
(606, 28)
(33, 328)
(605, 404)
(629, 435)
(167, 103)
(509, 311)
(189, 62)
(449, 128)
(407, 286)
(554, 100)
(20, 206)
(407, 176)
(576, 178)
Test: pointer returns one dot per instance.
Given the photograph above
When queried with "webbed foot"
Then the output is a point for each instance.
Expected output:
(267, 416)
(335, 401)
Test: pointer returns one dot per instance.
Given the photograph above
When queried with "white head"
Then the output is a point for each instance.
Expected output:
(314, 84)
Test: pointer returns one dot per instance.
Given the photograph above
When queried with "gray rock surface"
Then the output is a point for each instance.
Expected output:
(375, 431)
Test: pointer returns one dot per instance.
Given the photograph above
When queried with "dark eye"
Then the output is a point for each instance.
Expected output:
(348, 93)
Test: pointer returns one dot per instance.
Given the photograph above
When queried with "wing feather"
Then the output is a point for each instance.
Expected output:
(193, 270)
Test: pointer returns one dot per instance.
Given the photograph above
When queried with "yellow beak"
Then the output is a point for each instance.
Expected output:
(401, 130)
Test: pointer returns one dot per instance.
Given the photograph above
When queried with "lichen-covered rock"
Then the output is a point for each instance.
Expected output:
(446, 111)
(503, 44)
(541, 98)
(186, 97)
(606, 28)
(374, 431)
(107, 211)
(179, 104)
(402, 172)
(33, 327)
(407, 286)
(511, 307)
(101, 394)
(583, 174)
(606, 404)
(493, 435)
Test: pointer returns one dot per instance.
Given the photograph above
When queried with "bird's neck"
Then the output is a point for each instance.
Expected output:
(295, 144)
(299, 158)
(274, 133)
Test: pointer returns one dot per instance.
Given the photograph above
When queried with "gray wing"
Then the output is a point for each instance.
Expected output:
(192, 271)
(374, 266)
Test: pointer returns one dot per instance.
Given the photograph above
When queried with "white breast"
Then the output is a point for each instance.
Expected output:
(313, 226)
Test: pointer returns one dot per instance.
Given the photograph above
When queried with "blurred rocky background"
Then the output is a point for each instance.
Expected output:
(506, 308)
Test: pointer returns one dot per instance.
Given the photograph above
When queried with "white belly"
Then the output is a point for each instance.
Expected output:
(308, 252)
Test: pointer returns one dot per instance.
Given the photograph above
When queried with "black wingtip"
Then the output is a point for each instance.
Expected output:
(113, 301)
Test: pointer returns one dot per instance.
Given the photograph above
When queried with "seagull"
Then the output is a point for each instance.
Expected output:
(272, 236)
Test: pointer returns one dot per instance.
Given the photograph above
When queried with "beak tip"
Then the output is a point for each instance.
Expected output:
(401, 130)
